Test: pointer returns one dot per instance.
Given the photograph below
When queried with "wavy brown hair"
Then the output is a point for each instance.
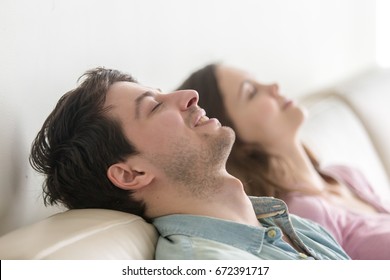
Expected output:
(78, 142)
(249, 162)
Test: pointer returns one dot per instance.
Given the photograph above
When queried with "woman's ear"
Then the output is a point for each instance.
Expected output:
(124, 176)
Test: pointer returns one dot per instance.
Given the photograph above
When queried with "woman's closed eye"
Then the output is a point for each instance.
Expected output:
(252, 93)
(248, 90)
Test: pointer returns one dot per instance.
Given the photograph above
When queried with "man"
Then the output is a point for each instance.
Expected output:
(112, 143)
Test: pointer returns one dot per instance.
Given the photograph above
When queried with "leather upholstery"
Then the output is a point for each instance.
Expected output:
(82, 234)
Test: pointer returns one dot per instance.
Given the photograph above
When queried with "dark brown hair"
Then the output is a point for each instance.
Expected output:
(255, 167)
(78, 142)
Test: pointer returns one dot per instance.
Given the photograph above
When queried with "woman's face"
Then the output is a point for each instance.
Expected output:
(259, 113)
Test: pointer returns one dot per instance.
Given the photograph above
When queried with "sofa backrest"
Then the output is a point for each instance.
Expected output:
(336, 135)
(368, 95)
(94, 234)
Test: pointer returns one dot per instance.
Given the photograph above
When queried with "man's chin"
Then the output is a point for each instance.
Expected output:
(227, 140)
(229, 133)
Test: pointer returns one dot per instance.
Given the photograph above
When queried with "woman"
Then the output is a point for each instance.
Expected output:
(270, 159)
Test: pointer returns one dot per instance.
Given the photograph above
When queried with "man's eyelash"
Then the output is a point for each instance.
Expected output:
(155, 107)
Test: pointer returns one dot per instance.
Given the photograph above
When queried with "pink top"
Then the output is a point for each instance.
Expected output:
(363, 236)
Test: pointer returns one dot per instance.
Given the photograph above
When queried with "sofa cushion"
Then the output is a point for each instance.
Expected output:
(336, 136)
(369, 97)
(82, 234)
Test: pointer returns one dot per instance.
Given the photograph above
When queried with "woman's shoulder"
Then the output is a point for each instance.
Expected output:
(350, 176)
(341, 170)
(317, 209)
(305, 205)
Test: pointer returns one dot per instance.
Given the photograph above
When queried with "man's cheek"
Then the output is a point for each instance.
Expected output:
(171, 118)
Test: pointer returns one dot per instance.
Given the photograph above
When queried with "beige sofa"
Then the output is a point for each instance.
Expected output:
(347, 123)
(82, 234)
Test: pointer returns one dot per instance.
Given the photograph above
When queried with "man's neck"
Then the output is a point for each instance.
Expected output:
(230, 202)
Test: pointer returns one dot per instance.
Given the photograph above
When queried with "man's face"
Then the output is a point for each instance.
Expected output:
(171, 131)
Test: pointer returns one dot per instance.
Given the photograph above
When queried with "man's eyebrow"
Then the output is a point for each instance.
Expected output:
(139, 100)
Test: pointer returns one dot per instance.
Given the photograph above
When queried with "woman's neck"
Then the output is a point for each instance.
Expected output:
(300, 173)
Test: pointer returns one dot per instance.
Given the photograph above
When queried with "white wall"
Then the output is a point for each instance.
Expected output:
(382, 33)
(47, 44)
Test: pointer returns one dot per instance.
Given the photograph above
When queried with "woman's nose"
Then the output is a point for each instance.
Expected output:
(274, 90)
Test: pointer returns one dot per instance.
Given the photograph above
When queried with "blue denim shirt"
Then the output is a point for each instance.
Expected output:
(200, 237)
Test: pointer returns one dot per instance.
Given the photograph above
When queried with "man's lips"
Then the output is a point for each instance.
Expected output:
(200, 118)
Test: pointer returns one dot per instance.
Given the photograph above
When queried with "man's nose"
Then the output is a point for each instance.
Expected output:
(186, 98)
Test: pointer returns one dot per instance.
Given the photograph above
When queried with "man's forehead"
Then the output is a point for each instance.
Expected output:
(129, 87)
(122, 91)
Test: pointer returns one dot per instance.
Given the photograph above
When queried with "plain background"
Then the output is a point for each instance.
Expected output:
(304, 45)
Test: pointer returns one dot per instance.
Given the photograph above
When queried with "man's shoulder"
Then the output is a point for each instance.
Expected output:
(182, 247)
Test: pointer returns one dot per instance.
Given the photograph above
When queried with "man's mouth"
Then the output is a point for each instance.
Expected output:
(201, 120)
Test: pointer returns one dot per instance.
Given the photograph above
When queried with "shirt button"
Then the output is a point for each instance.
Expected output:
(302, 256)
(271, 233)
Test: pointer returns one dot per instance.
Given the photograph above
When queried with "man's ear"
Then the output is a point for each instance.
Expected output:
(123, 176)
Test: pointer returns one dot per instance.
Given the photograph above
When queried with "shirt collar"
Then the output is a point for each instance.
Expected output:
(245, 237)
(268, 206)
